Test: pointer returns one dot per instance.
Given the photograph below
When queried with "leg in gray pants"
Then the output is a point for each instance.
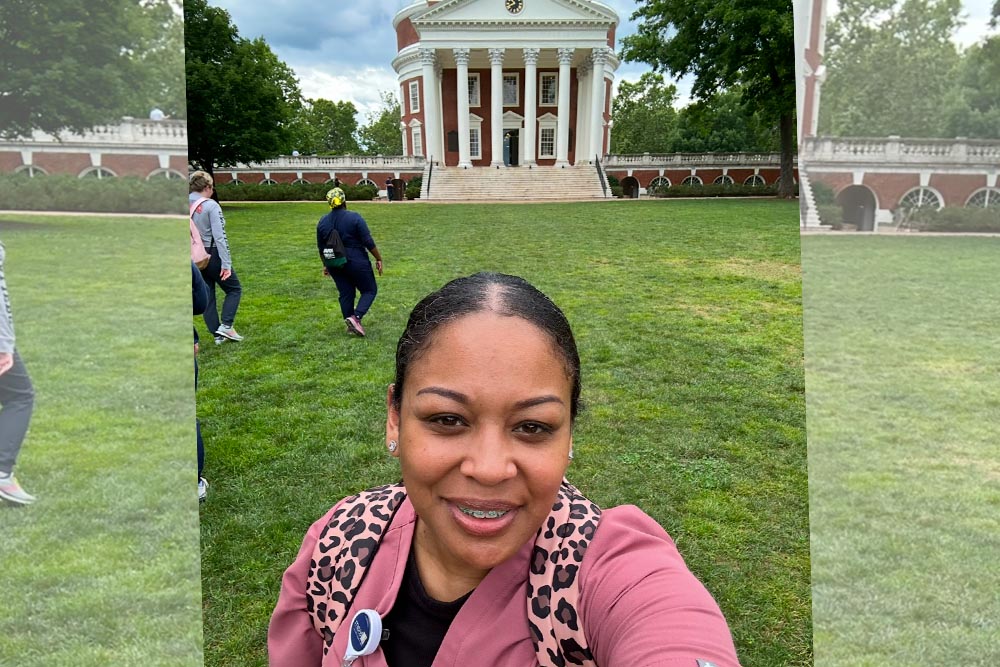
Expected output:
(17, 399)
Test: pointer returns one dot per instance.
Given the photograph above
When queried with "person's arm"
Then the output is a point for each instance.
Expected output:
(366, 239)
(199, 291)
(292, 640)
(6, 323)
(640, 604)
(218, 226)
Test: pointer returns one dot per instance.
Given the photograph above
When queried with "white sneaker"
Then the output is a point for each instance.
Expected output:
(202, 489)
(11, 491)
(228, 332)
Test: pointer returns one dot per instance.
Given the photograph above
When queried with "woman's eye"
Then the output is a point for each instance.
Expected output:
(447, 420)
(533, 428)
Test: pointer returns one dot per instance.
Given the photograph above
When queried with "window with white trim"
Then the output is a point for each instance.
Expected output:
(756, 181)
(269, 181)
(692, 180)
(474, 89)
(547, 142)
(418, 142)
(510, 89)
(414, 96)
(475, 147)
(984, 198)
(98, 173)
(549, 94)
(30, 171)
(725, 179)
(659, 182)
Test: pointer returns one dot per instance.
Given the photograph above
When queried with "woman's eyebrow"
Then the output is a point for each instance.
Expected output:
(447, 393)
(459, 397)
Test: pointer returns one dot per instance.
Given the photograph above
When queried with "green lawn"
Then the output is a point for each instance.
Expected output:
(103, 569)
(688, 319)
(904, 456)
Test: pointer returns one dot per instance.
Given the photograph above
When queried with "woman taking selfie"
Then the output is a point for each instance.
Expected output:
(485, 555)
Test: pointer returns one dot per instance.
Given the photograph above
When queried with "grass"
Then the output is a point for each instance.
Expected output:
(688, 319)
(103, 569)
(903, 361)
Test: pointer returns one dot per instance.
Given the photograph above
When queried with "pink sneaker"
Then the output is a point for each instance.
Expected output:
(354, 326)
(11, 491)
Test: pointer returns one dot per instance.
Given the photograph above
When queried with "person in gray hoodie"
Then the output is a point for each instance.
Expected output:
(207, 217)
(17, 400)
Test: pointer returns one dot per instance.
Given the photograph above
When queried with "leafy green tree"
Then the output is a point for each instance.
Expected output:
(242, 100)
(723, 124)
(977, 113)
(326, 127)
(66, 64)
(380, 134)
(892, 68)
(159, 60)
(644, 116)
(725, 44)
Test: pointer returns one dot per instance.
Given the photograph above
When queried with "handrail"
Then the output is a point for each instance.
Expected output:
(600, 174)
(430, 171)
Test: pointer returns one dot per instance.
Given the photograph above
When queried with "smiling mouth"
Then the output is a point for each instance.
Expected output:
(482, 514)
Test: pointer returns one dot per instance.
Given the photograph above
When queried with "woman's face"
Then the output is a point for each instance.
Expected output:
(484, 435)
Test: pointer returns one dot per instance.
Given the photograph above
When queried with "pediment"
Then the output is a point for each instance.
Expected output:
(512, 116)
(493, 12)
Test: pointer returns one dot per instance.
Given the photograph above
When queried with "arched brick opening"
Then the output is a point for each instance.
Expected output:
(398, 189)
(858, 204)
(630, 187)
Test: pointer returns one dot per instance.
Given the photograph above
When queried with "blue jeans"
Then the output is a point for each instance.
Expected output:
(356, 276)
(17, 400)
(231, 286)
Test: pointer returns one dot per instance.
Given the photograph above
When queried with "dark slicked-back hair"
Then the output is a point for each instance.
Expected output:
(486, 292)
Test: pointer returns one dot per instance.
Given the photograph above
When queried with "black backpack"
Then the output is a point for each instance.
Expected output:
(333, 254)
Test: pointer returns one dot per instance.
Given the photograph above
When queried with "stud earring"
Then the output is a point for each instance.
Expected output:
(571, 454)
(392, 446)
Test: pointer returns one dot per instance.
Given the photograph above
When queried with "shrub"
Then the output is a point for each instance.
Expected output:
(956, 219)
(618, 191)
(823, 194)
(831, 215)
(612, 181)
(713, 190)
(107, 195)
(413, 187)
(291, 192)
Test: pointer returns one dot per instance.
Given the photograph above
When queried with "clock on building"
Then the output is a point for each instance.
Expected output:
(514, 6)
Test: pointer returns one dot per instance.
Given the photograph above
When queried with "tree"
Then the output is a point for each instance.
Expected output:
(159, 60)
(241, 98)
(380, 135)
(322, 126)
(725, 44)
(892, 68)
(722, 124)
(644, 116)
(66, 64)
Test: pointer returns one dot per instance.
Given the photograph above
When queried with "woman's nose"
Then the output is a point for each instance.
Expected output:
(489, 458)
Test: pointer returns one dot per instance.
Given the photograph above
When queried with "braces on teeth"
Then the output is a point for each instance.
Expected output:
(484, 514)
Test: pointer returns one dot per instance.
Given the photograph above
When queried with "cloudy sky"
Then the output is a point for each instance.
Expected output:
(343, 49)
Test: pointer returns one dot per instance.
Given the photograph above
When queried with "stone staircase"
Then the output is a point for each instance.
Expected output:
(512, 184)
(810, 219)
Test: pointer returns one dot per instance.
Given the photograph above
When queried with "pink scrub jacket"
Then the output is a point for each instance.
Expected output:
(640, 605)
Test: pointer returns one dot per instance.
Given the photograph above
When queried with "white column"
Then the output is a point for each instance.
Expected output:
(462, 91)
(428, 59)
(583, 105)
(530, 104)
(439, 149)
(562, 132)
(600, 57)
(496, 106)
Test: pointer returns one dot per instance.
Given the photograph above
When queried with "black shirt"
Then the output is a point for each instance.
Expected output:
(416, 623)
